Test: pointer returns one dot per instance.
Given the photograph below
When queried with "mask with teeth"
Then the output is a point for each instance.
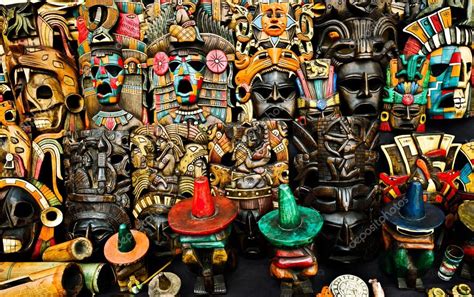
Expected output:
(108, 75)
(20, 221)
(46, 87)
(450, 82)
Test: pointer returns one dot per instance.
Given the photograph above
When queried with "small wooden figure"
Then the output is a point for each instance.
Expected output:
(204, 226)
(408, 235)
(291, 230)
(126, 250)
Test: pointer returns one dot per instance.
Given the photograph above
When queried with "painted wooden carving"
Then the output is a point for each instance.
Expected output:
(428, 158)
(408, 236)
(448, 46)
(190, 64)
(248, 162)
(165, 161)
(113, 65)
(404, 106)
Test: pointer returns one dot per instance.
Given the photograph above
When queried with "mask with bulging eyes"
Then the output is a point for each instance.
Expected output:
(274, 95)
(19, 221)
(108, 74)
(450, 82)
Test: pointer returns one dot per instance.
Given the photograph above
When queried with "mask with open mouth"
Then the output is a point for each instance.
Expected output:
(406, 95)
(107, 76)
(20, 223)
(187, 74)
(274, 95)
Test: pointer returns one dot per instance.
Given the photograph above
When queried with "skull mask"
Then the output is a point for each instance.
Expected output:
(449, 86)
(107, 70)
(20, 223)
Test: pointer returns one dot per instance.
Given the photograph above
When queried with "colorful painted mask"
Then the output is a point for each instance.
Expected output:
(107, 76)
(448, 47)
(113, 61)
(191, 66)
(275, 18)
(187, 76)
(428, 158)
(406, 95)
(450, 82)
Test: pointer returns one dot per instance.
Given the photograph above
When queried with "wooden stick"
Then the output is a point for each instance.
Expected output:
(63, 280)
(73, 250)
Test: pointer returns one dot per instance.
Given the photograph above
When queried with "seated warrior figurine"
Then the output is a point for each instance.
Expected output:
(204, 225)
(126, 250)
(291, 230)
(406, 96)
(408, 234)
(242, 169)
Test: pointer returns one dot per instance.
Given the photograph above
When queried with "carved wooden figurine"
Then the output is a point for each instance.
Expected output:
(126, 250)
(408, 235)
(291, 229)
(98, 183)
(204, 225)
(165, 161)
(242, 169)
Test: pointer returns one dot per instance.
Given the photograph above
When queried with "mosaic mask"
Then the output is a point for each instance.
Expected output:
(406, 95)
(107, 76)
(450, 82)
(191, 66)
(113, 65)
(448, 49)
